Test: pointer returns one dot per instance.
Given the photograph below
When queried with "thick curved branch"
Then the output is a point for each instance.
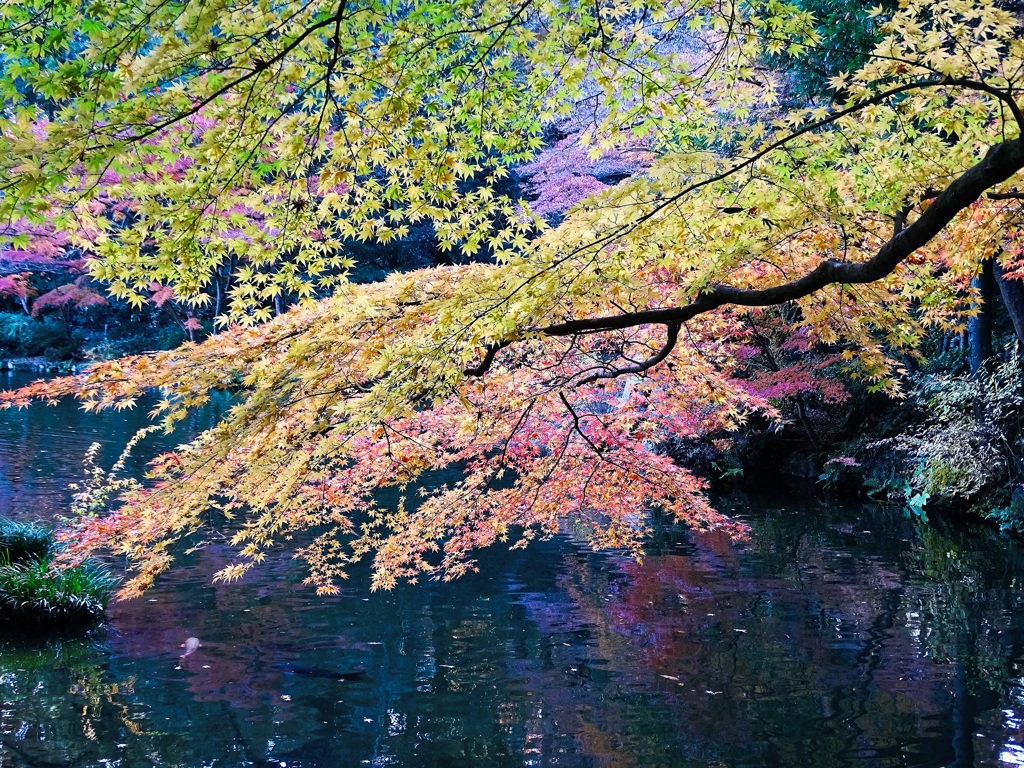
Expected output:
(485, 364)
(1001, 162)
(671, 337)
(623, 321)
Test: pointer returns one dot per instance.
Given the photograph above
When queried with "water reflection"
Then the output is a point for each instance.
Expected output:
(838, 635)
(42, 448)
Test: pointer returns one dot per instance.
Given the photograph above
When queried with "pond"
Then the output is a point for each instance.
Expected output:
(838, 635)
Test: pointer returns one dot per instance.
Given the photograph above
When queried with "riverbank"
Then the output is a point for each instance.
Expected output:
(950, 445)
(40, 364)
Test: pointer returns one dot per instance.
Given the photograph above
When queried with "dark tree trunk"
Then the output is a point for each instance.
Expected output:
(979, 327)
(1012, 291)
(65, 315)
(805, 421)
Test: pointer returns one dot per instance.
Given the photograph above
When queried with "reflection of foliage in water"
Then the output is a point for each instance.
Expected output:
(58, 687)
(952, 597)
(835, 633)
(864, 622)
(970, 612)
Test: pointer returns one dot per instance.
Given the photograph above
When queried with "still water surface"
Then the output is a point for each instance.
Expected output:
(839, 635)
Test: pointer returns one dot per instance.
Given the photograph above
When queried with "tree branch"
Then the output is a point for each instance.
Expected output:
(671, 337)
(1000, 163)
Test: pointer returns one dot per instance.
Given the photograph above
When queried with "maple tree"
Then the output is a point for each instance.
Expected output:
(67, 299)
(17, 286)
(30, 248)
(38, 247)
(549, 374)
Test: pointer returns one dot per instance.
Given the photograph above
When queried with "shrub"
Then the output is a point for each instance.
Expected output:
(20, 335)
(35, 592)
(24, 541)
(970, 442)
(13, 328)
(1010, 516)
(152, 339)
(955, 443)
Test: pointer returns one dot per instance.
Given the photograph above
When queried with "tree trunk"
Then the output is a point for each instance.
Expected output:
(1012, 291)
(979, 327)
(218, 295)
(801, 411)
(65, 315)
(223, 285)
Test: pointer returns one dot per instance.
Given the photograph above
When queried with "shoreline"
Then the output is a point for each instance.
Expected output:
(38, 364)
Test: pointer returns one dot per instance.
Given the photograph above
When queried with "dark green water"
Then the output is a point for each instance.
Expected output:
(839, 635)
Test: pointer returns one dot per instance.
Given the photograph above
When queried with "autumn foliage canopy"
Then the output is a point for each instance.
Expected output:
(161, 138)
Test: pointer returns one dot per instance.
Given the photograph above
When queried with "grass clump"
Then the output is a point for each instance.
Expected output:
(34, 592)
(24, 541)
